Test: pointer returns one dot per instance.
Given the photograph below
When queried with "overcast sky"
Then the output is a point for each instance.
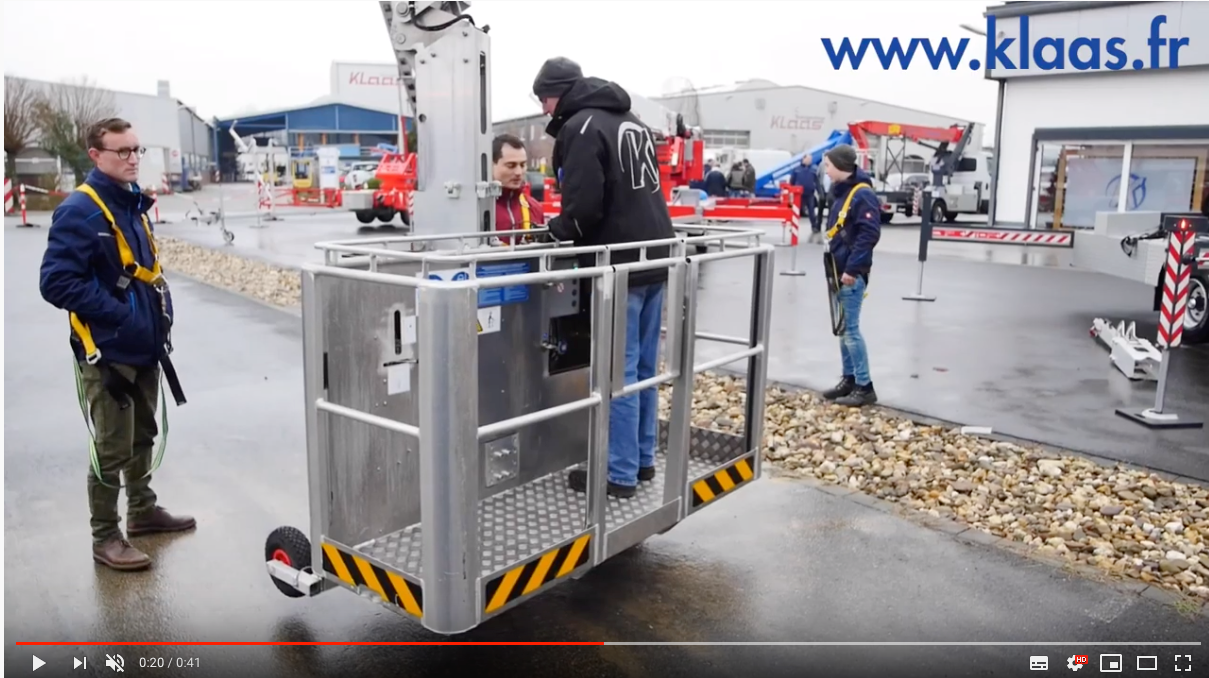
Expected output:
(225, 57)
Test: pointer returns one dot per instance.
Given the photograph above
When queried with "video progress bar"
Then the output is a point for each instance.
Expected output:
(969, 643)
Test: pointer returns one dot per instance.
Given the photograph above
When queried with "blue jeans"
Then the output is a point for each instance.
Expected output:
(633, 419)
(852, 345)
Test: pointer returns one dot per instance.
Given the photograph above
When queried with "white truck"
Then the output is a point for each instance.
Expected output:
(1133, 245)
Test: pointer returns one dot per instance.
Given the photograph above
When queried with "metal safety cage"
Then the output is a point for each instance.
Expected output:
(439, 438)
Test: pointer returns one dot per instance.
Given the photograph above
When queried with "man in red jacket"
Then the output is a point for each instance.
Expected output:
(514, 209)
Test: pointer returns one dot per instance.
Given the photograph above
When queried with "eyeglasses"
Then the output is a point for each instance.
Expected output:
(125, 153)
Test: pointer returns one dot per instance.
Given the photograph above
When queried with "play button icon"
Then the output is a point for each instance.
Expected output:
(38, 663)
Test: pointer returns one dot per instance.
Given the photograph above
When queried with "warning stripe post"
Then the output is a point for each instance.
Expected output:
(1177, 278)
(25, 222)
(8, 195)
(156, 208)
(795, 205)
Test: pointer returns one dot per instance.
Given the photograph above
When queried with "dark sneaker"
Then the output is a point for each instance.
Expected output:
(578, 481)
(859, 397)
(841, 389)
(117, 553)
(646, 473)
(158, 520)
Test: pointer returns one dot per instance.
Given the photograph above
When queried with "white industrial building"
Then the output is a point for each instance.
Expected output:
(759, 114)
(177, 139)
(1065, 138)
(762, 115)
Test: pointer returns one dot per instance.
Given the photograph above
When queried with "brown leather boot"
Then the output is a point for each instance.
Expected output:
(158, 520)
(117, 553)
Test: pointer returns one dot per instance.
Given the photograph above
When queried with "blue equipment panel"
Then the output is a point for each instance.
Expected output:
(500, 296)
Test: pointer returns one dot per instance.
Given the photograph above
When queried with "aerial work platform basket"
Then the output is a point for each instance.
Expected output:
(449, 392)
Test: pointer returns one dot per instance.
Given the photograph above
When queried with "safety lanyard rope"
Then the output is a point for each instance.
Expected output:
(93, 459)
(154, 277)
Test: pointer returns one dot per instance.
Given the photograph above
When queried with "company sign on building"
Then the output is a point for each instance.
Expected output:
(377, 86)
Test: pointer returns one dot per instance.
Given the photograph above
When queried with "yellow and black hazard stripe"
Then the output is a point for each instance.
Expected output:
(391, 586)
(525, 579)
(722, 481)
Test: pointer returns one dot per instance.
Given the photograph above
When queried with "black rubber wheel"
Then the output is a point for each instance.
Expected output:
(887, 217)
(289, 546)
(938, 211)
(403, 214)
(385, 214)
(1196, 314)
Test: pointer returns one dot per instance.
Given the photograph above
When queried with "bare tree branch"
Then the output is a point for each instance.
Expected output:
(65, 114)
(21, 105)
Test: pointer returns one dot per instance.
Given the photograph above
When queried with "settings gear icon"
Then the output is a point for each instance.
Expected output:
(1070, 663)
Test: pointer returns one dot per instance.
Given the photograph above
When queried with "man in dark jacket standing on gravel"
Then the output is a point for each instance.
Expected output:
(102, 268)
(608, 174)
(854, 228)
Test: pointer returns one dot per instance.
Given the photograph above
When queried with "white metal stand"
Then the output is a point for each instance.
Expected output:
(1135, 357)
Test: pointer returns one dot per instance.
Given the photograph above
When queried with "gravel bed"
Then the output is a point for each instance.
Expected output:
(1126, 523)
(271, 284)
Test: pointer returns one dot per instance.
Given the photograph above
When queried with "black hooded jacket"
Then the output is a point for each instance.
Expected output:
(608, 174)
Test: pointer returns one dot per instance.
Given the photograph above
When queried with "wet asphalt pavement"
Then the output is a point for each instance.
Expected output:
(780, 561)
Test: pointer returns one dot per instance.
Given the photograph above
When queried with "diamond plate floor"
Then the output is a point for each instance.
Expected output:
(524, 521)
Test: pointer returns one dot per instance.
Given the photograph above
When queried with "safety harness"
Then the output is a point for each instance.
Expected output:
(526, 216)
(831, 272)
(839, 222)
(122, 389)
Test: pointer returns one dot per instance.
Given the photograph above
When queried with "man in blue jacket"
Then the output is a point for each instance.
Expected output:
(806, 176)
(101, 266)
(854, 228)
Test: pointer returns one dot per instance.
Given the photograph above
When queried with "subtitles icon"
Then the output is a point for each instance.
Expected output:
(1038, 663)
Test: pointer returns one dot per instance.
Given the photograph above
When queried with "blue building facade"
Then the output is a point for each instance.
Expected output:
(355, 129)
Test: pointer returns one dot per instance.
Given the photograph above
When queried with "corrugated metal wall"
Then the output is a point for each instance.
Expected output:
(339, 118)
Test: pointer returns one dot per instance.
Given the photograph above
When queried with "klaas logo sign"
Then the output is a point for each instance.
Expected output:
(361, 78)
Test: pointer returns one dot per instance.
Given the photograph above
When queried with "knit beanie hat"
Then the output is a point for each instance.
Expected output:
(556, 77)
(843, 158)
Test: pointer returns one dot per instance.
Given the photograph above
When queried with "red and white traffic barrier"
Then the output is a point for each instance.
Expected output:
(1004, 236)
(8, 195)
(1177, 278)
(156, 208)
(25, 222)
(795, 208)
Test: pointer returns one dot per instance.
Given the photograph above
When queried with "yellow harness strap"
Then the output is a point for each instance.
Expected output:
(154, 276)
(525, 217)
(839, 222)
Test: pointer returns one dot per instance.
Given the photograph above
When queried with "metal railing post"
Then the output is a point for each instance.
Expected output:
(757, 365)
(317, 439)
(600, 383)
(449, 470)
(680, 418)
